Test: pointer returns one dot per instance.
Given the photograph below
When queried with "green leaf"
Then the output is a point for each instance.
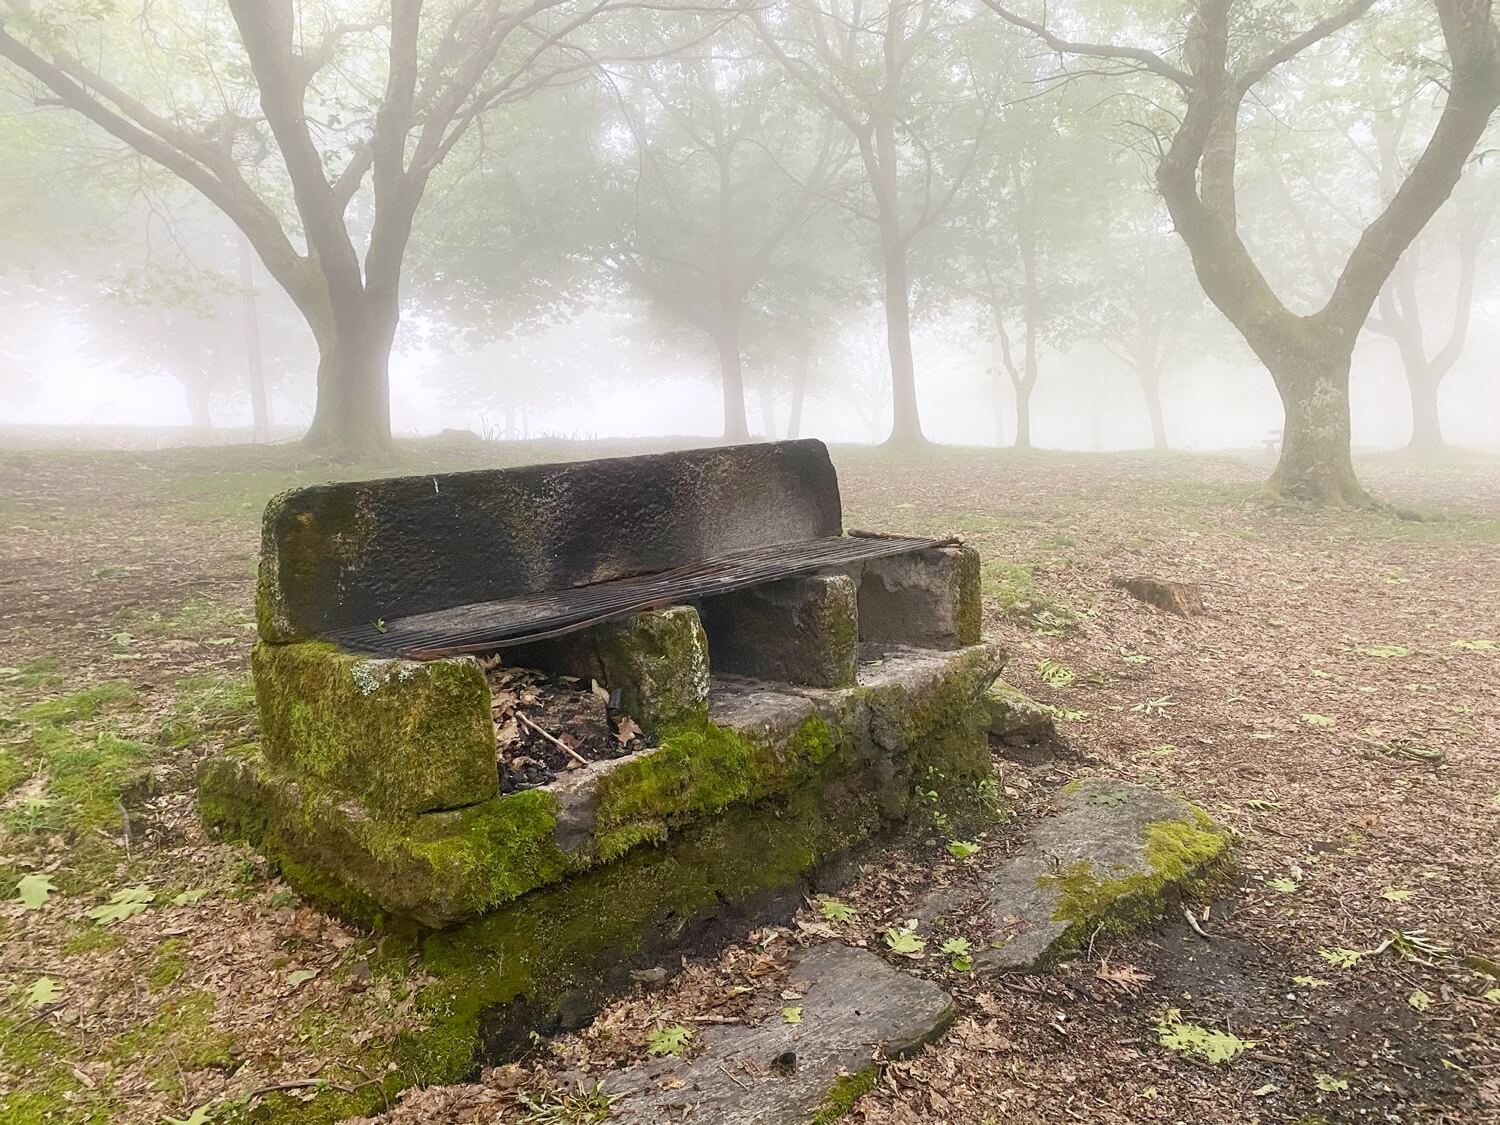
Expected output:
(1396, 894)
(1385, 652)
(1493, 995)
(1261, 804)
(1481, 645)
(33, 890)
(1341, 958)
(672, 1040)
(1331, 1085)
(904, 940)
(1284, 885)
(1176, 1034)
(187, 898)
(1264, 1091)
(44, 991)
(1419, 1000)
(299, 977)
(792, 1014)
(962, 849)
(836, 911)
(1311, 982)
(1313, 719)
(122, 905)
(957, 945)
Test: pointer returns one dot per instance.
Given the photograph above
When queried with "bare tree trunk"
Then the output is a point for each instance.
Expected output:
(799, 396)
(260, 404)
(1315, 463)
(1151, 387)
(1023, 413)
(732, 376)
(1426, 426)
(353, 415)
(767, 403)
(906, 421)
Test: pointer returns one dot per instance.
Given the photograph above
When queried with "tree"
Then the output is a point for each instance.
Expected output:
(722, 168)
(1400, 307)
(902, 78)
(1228, 50)
(384, 100)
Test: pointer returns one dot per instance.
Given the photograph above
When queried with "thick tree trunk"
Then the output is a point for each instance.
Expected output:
(353, 415)
(1315, 464)
(732, 376)
(1426, 426)
(1023, 413)
(260, 403)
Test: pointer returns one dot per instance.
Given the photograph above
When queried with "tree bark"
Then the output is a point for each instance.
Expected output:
(353, 414)
(732, 378)
(1315, 464)
(906, 421)
(198, 397)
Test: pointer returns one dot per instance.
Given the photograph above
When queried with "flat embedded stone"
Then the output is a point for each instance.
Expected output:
(854, 1007)
(1114, 855)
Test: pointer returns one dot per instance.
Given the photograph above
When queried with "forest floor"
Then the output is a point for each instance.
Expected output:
(1338, 706)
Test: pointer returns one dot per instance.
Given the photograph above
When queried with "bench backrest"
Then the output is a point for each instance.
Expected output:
(337, 555)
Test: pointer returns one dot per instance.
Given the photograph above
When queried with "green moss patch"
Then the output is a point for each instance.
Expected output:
(403, 736)
(844, 1093)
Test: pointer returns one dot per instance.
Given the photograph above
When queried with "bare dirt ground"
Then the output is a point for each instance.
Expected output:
(1339, 706)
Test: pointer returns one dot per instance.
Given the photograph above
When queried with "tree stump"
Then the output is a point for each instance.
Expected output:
(1185, 599)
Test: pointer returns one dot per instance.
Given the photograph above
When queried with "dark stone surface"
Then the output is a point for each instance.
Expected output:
(795, 631)
(345, 554)
(854, 1005)
(926, 598)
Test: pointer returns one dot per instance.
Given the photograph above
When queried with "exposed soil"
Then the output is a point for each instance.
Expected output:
(545, 725)
(1338, 705)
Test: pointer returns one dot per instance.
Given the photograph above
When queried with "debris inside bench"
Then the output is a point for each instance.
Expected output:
(545, 725)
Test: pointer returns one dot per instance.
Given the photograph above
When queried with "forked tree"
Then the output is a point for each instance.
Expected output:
(1308, 356)
(431, 72)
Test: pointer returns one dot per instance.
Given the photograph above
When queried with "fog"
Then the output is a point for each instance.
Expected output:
(692, 234)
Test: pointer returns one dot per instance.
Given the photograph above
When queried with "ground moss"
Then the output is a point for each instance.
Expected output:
(180, 1037)
(168, 963)
(208, 706)
(1182, 857)
(82, 704)
(659, 661)
(845, 1091)
(404, 736)
(40, 1087)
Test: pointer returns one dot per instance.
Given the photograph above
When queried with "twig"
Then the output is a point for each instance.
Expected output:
(559, 743)
(298, 1084)
(732, 1078)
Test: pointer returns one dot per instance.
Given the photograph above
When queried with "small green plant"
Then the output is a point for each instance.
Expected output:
(962, 849)
(1414, 945)
(904, 939)
(672, 1040)
(1177, 1034)
(1161, 705)
(1331, 1085)
(1284, 885)
(1313, 719)
(1310, 982)
(835, 911)
(1054, 673)
(1419, 1000)
(958, 950)
(1134, 657)
(791, 1014)
(1261, 804)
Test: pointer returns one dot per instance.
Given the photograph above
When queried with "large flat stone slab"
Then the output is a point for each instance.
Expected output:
(855, 1008)
(1114, 856)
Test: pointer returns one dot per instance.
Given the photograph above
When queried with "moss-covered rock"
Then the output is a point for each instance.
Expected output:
(404, 736)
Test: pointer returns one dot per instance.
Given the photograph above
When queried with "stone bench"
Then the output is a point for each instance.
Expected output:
(796, 685)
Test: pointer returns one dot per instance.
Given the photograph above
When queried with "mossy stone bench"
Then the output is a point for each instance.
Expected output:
(789, 720)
